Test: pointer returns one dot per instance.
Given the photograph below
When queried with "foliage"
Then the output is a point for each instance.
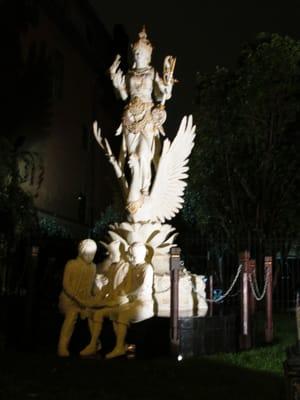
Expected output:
(245, 166)
(50, 227)
(16, 206)
(191, 211)
(26, 114)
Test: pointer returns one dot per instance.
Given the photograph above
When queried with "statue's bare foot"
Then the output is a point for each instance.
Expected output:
(117, 352)
(63, 353)
(90, 350)
(134, 206)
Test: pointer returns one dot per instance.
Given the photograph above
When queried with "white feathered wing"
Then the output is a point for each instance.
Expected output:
(166, 197)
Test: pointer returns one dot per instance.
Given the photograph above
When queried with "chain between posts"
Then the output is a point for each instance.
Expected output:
(227, 292)
(254, 286)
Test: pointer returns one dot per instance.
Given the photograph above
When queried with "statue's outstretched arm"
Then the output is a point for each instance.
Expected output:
(118, 78)
(104, 144)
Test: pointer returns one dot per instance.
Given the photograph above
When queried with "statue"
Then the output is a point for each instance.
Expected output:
(140, 294)
(152, 170)
(78, 283)
(126, 298)
(111, 291)
(142, 119)
(143, 116)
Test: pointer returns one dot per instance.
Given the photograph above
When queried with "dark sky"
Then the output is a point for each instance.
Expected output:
(202, 36)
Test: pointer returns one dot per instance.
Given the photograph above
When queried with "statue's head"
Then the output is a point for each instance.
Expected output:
(142, 50)
(137, 253)
(87, 249)
(113, 250)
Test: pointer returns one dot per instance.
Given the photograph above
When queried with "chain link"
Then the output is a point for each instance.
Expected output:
(254, 286)
(227, 292)
(162, 291)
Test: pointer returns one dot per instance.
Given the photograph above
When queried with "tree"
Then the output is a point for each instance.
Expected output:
(245, 166)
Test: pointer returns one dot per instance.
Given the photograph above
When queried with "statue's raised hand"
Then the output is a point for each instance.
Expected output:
(118, 78)
(116, 74)
(115, 65)
(98, 136)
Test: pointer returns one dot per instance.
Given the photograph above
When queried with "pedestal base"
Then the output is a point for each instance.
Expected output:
(191, 292)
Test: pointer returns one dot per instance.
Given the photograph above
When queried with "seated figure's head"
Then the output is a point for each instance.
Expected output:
(137, 253)
(142, 50)
(87, 249)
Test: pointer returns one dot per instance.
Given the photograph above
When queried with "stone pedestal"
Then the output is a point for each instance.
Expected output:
(209, 335)
(191, 295)
(198, 336)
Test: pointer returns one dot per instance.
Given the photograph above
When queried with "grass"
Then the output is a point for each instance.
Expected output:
(267, 358)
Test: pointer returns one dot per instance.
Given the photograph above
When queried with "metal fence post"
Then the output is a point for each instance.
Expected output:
(252, 301)
(174, 301)
(245, 337)
(211, 294)
(269, 300)
(31, 294)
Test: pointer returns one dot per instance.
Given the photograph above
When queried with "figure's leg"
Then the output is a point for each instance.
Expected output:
(66, 333)
(120, 348)
(145, 158)
(90, 323)
(92, 327)
(95, 325)
(115, 326)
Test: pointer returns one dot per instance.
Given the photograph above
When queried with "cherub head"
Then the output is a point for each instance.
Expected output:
(142, 50)
(87, 249)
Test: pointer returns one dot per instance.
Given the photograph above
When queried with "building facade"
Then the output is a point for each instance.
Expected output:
(71, 184)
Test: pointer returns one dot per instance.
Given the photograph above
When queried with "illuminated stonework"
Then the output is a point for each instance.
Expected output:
(153, 192)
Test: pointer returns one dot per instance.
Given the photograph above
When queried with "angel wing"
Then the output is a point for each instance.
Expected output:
(166, 197)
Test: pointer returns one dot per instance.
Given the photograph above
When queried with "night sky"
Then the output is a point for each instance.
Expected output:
(201, 37)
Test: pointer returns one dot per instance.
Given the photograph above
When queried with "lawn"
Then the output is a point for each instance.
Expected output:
(265, 358)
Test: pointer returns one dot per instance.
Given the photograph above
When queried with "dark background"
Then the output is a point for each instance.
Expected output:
(201, 34)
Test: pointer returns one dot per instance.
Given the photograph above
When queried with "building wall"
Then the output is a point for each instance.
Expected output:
(74, 168)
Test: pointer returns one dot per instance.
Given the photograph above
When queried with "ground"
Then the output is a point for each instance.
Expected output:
(46, 377)
(255, 374)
